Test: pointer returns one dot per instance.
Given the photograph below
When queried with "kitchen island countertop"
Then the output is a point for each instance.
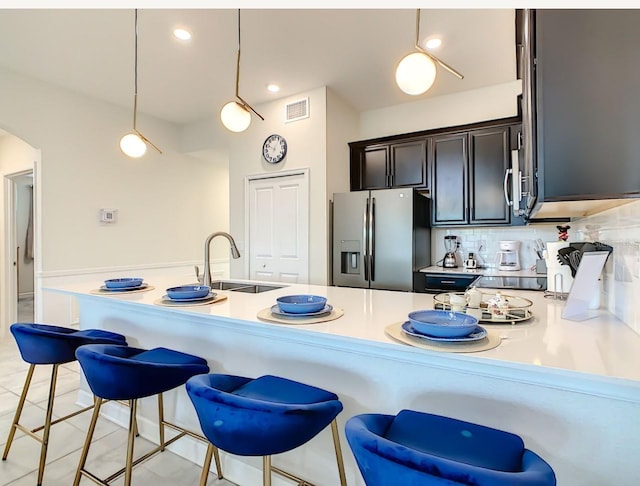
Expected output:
(568, 388)
(602, 346)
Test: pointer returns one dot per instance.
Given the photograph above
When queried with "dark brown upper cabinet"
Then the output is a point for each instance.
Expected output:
(463, 168)
(469, 170)
(381, 166)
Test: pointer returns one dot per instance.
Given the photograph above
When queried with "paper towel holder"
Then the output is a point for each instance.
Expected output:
(585, 288)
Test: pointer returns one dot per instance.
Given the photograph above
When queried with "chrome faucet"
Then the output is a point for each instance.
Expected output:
(207, 244)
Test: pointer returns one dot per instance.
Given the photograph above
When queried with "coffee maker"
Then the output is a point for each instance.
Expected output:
(508, 257)
(450, 245)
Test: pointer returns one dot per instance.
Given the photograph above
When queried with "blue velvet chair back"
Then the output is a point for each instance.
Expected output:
(262, 416)
(415, 448)
(127, 373)
(47, 344)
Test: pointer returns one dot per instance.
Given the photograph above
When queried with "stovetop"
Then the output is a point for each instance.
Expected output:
(519, 283)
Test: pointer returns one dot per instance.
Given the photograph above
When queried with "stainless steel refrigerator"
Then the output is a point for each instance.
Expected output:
(380, 238)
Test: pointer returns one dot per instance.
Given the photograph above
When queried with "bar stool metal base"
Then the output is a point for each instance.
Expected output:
(46, 427)
(130, 461)
(267, 468)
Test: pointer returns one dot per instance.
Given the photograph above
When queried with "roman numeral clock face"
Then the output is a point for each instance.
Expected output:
(274, 148)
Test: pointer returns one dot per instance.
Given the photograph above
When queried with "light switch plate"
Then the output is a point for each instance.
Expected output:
(108, 215)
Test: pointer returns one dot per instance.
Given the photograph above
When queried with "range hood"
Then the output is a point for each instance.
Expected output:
(573, 209)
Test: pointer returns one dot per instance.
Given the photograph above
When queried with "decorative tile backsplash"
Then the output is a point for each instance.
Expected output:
(618, 227)
(483, 242)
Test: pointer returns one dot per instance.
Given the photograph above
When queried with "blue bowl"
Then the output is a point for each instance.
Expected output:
(440, 323)
(123, 283)
(188, 292)
(301, 304)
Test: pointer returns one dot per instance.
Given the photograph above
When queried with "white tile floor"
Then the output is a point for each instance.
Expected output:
(108, 448)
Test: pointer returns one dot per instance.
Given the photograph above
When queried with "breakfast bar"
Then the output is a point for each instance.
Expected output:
(571, 390)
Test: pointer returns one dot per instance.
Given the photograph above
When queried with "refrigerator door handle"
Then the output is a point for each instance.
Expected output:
(365, 240)
(372, 239)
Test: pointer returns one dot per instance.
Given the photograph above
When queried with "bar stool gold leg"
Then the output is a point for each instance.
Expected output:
(161, 421)
(336, 445)
(16, 418)
(266, 470)
(47, 423)
(206, 465)
(216, 456)
(132, 436)
(87, 442)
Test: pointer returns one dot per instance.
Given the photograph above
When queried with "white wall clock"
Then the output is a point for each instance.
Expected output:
(274, 148)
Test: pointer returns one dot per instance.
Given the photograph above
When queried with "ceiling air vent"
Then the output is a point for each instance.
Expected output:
(296, 110)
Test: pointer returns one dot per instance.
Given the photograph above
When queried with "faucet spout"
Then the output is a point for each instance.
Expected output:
(207, 249)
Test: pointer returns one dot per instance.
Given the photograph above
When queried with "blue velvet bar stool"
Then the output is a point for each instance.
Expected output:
(128, 373)
(415, 448)
(262, 417)
(43, 344)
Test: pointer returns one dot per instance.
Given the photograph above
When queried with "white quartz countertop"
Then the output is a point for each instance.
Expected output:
(602, 347)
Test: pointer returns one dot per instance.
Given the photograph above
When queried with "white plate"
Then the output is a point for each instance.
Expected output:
(212, 295)
(124, 289)
(275, 310)
(479, 333)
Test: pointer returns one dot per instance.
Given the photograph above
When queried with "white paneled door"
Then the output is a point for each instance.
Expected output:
(278, 237)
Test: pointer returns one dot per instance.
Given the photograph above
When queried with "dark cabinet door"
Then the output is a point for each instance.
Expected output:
(488, 163)
(588, 108)
(449, 179)
(375, 167)
(409, 164)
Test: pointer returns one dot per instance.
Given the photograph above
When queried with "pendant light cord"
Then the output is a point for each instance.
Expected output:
(135, 70)
(418, 28)
(135, 84)
(435, 59)
(244, 103)
(238, 60)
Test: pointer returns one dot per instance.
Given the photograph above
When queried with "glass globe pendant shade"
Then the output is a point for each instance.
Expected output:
(235, 117)
(132, 145)
(416, 73)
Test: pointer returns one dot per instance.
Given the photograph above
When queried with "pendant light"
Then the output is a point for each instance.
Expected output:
(235, 115)
(416, 72)
(134, 144)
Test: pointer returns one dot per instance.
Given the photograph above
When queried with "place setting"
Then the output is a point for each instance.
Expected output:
(189, 295)
(124, 285)
(443, 330)
(300, 309)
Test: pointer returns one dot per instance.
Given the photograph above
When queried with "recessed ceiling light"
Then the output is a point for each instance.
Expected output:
(182, 34)
(273, 88)
(433, 43)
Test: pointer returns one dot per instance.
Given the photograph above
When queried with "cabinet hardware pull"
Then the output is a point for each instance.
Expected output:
(504, 186)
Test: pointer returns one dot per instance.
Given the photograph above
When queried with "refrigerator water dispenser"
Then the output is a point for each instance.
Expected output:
(350, 257)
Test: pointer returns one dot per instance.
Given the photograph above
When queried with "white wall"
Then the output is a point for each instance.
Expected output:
(306, 148)
(490, 103)
(342, 128)
(159, 197)
(164, 212)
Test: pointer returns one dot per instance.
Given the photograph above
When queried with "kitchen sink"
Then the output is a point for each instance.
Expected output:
(245, 287)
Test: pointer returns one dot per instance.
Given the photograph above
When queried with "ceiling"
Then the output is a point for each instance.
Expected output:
(353, 52)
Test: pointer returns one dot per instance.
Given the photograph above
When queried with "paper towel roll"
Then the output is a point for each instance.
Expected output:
(559, 277)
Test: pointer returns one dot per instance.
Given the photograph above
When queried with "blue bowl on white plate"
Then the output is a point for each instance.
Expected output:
(301, 304)
(183, 292)
(123, 283)
(440, 323)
